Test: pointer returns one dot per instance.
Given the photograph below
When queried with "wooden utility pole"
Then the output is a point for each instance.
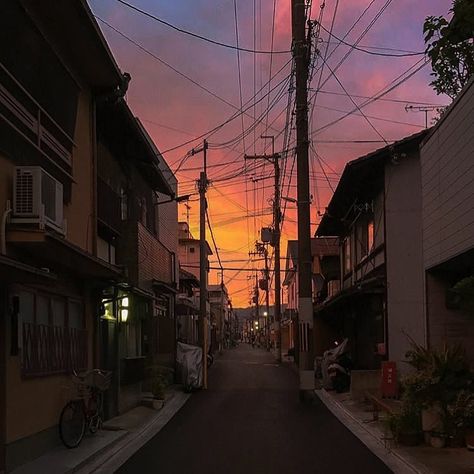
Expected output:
(274, 158)
(203, 261)
(301, 54)
(277, 232)
(261, 249)
(267, 298)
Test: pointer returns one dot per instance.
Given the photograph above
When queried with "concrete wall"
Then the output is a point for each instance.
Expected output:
(188, 258)
(447, 162)
(35, 403)
(405, 292)
(80, 211)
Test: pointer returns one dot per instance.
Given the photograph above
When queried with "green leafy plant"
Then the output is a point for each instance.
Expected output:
(450, 48)
(159, 378)
(158, 387)
(440, 374)
(406, 425)
(462, 410)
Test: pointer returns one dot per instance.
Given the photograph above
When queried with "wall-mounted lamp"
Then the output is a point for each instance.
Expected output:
(124, 310)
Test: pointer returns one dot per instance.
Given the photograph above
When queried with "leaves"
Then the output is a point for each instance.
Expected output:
(450, 48)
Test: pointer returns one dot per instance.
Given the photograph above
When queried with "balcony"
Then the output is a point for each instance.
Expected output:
(24, 115)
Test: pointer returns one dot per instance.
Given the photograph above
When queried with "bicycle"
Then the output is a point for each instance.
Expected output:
(85, 411)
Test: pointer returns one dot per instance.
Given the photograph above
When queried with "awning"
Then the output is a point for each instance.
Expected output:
(53, 251)
(165, 287)
(12, 270)
(370, 286)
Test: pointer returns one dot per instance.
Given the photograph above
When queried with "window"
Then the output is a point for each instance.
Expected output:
(53, 338)
(347, 255)
(105, 250)
(370, 236)
(123, 204)
(191, 249)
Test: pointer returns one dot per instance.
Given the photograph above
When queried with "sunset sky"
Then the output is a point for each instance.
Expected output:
(175, 109)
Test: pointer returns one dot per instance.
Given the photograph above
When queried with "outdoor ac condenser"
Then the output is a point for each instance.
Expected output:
(37, 198)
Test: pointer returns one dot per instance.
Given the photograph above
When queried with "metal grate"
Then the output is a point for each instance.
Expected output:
(24, 192)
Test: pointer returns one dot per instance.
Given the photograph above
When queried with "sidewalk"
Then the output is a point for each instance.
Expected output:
(357, 417)
(107, 450)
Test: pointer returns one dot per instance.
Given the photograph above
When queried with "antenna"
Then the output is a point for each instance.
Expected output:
(422, 108)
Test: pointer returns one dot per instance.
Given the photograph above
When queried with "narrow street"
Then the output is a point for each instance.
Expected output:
(250, 421)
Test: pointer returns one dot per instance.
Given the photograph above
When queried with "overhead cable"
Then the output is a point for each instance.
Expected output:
(195, 35)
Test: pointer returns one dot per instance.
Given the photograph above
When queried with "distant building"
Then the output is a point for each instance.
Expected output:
(376, 214)
(325, 264)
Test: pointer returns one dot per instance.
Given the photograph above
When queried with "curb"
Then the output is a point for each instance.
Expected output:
(127, 446)
(397, 463)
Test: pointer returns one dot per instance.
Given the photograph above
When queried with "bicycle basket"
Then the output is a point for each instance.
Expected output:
(100, 380)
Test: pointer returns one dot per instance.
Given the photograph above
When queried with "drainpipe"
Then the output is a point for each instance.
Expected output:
(3, 239)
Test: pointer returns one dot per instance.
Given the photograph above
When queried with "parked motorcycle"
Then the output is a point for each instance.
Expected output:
(339, 368)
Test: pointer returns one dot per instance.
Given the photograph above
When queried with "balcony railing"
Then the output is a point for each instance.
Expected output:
(52, 349)
(23, 113)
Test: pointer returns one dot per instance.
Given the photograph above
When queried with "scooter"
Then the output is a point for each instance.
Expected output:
(339, 370)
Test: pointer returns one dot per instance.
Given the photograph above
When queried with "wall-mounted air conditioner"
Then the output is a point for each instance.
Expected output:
(37, 198)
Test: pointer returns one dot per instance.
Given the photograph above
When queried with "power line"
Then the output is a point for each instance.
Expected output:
(195, 35)
(356, 104)
(230, 119)
(385, 99)
(375, 97)
(213, 239)
(357, 48)
(185, 76)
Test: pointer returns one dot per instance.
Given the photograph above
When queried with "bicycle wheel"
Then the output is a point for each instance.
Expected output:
(72, 424)
(95, 422)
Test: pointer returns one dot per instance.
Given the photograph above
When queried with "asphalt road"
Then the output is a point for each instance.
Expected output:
(250, 421)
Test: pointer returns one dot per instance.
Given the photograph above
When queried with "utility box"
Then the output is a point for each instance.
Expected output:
(266, 234)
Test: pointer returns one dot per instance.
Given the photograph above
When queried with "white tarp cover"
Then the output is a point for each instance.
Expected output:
(189, 359)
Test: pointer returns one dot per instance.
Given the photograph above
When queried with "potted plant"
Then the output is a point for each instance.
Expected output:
(406, 426)
(438, 377)
(462, 414)
(438, 439)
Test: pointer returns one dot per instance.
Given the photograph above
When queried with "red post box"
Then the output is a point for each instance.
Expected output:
(389, 380)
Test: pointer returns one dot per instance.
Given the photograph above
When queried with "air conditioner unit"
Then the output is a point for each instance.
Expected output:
(37, 198)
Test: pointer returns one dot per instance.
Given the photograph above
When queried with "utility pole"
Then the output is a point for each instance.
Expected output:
(221, 316)
(302, 54)
(261, 249)
(188, 208)
(257, 305)
(267, 298)
(203, 261)
(274, 158)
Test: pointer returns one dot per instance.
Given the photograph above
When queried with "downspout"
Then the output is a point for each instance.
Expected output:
(3, 239)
